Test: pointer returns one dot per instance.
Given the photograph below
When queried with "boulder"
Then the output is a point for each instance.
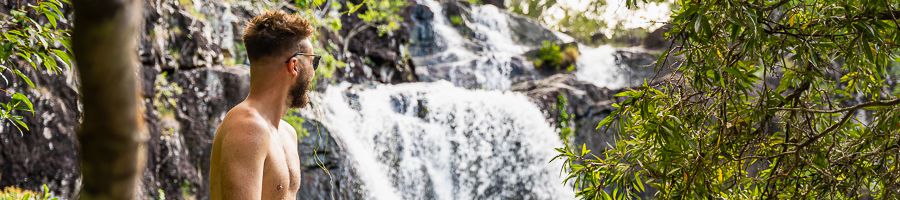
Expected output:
(530, 33)
(587, 104)
(656, 39)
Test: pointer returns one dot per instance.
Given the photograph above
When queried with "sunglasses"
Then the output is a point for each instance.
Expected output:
(315, 62)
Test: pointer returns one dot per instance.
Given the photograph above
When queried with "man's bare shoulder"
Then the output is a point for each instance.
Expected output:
(289, 129)
(243, 127)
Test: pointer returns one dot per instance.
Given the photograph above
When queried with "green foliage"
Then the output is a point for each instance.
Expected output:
(771, 99)
(456, 20)
(43, 46)
(293, 118)
(166, 96)
(15, 193)
(564, 119)
(382, 14)
(332, 23)
(549, 54)
(552, 55)
(581, 23)
(328, 62)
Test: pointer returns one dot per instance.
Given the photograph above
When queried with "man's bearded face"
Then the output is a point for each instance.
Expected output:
(297, 97)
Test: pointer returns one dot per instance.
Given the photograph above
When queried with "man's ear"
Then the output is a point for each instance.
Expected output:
(293, 66)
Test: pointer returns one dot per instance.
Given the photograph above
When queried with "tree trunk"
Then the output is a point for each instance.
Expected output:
(112, 136)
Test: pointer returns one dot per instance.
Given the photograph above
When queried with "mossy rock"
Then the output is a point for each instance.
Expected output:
(553, 58)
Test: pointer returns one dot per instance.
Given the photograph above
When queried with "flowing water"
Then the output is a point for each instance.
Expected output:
(439, 141)
(483, 60)
(460, 134)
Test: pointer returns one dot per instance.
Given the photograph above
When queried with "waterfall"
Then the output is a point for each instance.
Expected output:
(438, 141)
(486, 58)
(460, 134)
(598, 66)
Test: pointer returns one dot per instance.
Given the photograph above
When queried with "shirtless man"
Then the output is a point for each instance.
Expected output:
(254, 153)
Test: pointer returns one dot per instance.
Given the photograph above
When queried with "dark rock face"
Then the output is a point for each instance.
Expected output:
(47, 152)
(421, 36)
(499, 3)
(372, 56)
(640, 65)
(528, 32)
(656, 40)
(326, 173)
(210, 93)
(587, 103)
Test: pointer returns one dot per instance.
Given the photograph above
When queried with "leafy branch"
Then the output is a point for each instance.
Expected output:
(41, 42)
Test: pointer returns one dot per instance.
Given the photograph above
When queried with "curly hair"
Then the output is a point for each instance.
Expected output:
(273, 33)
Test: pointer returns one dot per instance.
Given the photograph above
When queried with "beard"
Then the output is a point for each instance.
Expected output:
(297, 97)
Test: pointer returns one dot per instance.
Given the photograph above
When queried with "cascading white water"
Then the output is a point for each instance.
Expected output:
(598, 66)
(480, 62)
(438, 141)
(460, 135)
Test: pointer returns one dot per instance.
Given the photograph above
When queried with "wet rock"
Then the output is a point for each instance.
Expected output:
(499, 3)
(587, 103)
(459, 15)
(656, 40)
(326, 170)
(639, 65)
(422, 38)
(528, 32)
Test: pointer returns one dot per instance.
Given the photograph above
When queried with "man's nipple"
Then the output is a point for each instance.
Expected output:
(279, 187)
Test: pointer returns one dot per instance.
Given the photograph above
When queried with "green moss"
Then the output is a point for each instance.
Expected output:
(165, 97)
(456, 20)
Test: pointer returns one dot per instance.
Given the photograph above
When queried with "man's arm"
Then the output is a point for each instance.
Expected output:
(244, 152)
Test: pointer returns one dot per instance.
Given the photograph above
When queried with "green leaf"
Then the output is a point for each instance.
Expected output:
(606, 121)
(638, 182)
(24, 78)
(22, 98)
(628, 93)
(584, 150)
(49, 63)
(20, 123)
(51, 18)
(64, 56)
(353, 8)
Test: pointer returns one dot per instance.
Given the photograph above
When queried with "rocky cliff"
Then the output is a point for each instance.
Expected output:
(194, 70)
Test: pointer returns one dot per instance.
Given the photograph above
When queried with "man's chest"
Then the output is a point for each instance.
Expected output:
(282, 167)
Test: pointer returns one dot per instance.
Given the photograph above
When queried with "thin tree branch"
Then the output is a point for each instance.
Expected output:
(855, 107)
(828, 130)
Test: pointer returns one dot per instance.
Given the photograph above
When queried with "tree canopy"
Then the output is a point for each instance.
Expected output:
(766, 99)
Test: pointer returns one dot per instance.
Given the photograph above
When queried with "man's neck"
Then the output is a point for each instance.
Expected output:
(269, 99)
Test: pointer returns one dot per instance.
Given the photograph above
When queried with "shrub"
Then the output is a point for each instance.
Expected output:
(556, 57)
(16, 193)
